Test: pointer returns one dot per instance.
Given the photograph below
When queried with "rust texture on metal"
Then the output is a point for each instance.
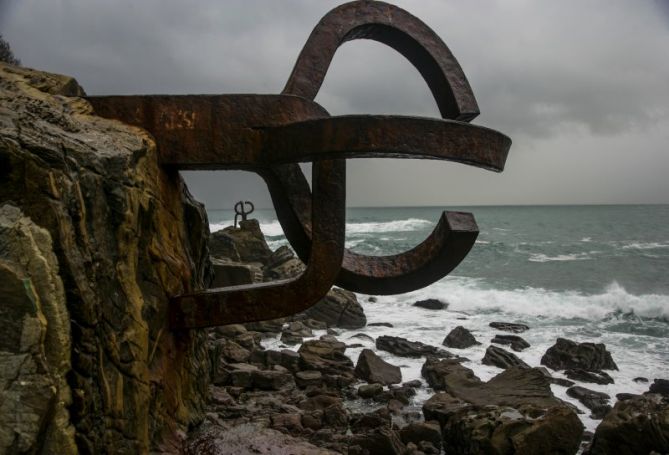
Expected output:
(240, 211)
(270, 134)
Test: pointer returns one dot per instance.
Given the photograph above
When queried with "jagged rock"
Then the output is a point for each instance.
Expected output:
(227, 273)
(509, 327)
(361, 423)
(230, 351)
(567, 354)
(326, 357)
(272, 326)
(634, 426)
(249, 241)
(476, 429)
(441, 374)
(223, 246)
(660, 386)
(126, 236)
(502, 359)
(431, 304)
(247, 438)
(308, 378)
(597, 402)
(422, 431)
(373, 368)
(514, 412)
(249, 340)
(286, 358)
(405, 348)
(597, 377)
(230, 330)
(291, 268)
(380, 441)
(553, 380)
(272, 379)
(369, 390)
(415, 383)
(513, 387)
(35, 345)
(460, 338)
(328, 409)
(339, 308)
(516, 342)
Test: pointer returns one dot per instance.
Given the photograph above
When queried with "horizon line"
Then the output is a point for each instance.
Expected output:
(478, 205)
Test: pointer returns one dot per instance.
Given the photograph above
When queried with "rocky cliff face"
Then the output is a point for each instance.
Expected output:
(94, 238)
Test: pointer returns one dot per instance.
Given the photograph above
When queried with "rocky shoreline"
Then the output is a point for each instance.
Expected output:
(94, 239)
(315, 399)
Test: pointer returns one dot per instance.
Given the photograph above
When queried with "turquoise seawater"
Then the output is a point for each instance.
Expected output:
(588, 273)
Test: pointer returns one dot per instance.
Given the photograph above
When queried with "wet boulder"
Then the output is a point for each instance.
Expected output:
(249, 241)
(502, 358)
(514, 341)
(596, 377)
(460, 338)
(637, 425)
(431, 304)
(372, 368)
(566, 354)
(405, 348)
(422, 431)
(339, 308)
(509, 326)
(597, 402)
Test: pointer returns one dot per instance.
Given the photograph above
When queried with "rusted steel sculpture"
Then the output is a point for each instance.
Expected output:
(240, 210)
(269, 134)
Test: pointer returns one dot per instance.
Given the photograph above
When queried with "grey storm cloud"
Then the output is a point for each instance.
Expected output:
(580, 86)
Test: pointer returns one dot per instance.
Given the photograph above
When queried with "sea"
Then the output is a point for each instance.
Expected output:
(595, 273)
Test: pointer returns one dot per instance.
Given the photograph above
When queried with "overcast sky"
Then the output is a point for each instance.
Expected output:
(582, 86)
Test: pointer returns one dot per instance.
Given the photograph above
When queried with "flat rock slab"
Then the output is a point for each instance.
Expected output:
(373, 368)
(509, 327)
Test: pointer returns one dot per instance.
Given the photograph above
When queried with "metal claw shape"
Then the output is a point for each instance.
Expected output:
(269, 134)
(427, 138)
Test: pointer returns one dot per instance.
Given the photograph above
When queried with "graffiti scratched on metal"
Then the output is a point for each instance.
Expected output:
(270, 134)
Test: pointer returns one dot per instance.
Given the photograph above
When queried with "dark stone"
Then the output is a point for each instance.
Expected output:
(308, 378)
(339, 308)
(597, 402)
(422, 431)
(553, 380)
(369, 390)
(325, 356)
(372, 299)
(413, 384)
(516, 342)
(660, 386)
(405, 348)
(221, 245)
(596, 377)
(460, 338)
(626, 396)
(373, 368)
(634, 426)
(431, 304)
(567, 354)
(362, 423)
(640, 379)
(249, 241)
(502, 359)
(509, 327)
(227, 273)
(380, 441)
(380, 324)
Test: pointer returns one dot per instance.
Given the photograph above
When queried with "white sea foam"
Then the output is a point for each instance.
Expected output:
(273, 228)
(645, 246)
(410, 224)
(540, 257)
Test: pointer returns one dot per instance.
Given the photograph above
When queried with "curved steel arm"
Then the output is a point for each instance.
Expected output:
(429, 54)
(248, 303)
